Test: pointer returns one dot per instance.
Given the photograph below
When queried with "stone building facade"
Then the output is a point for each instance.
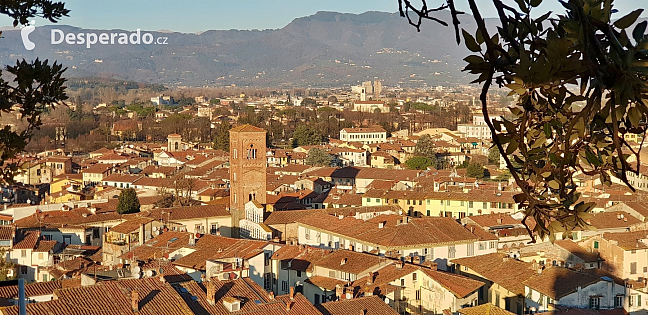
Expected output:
(247, 170)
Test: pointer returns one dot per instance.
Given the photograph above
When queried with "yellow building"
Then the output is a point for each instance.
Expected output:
(448, 204)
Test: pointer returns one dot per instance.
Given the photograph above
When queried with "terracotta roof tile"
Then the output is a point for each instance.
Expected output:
(484, 309)
(556, 282)
(370, 305)
(396, 230)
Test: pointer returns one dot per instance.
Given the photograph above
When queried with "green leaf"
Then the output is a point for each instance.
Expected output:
(471, 44)
(628, 20)
(474, 59)
(554, 184)
(512, 147)
(635, 116)
(592, 158)
(639, 31)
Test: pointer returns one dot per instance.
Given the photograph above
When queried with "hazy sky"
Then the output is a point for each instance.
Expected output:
(200, 15)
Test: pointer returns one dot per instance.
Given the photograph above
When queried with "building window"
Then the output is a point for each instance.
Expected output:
(235, 153)
(414, 276)
(633, 268)
(618, 301)
(267, 278)
(596, 244)
(447, 202)
(470, 204)
(40, 255)
(214, 229)
(284, 286)
(492, 244)
(595, 303)
(23, 270)
(298, 273)
(23, 253)
(482, 246)
(451, 251)
(471, 249)
(307, 234)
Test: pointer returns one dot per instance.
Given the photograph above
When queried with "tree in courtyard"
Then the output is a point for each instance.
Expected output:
(475, 170)
(6, 266)
(221, 137)
(29, 86)
(425, 147)
(419, 163)
(307, 101)
(493, 155)
(306, 135)
(128, 201)
(318, 157)
(580, 79)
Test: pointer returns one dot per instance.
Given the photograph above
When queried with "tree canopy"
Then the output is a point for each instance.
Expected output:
(306, 135)
(221, 138)
(425, 147)
(580, 79)
(475, 170)
(419, 163)
(128, 201)
(34, 85)
(318, 157)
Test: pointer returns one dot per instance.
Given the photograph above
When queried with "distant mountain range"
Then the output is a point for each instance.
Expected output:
(321, 50)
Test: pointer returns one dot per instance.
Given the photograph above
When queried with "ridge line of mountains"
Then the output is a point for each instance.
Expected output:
(327, 49)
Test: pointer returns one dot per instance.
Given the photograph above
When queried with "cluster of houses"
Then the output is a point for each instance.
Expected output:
(265, 234)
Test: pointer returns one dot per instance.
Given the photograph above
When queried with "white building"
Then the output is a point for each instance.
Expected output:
(252, 226)
(478, 129)
(364, 135)
(370, 106)
(436, 239)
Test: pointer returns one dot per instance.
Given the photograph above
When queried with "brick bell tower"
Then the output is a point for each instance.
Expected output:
(247, 170)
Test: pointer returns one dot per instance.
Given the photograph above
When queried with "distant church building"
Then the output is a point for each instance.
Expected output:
(247, 172)
(174, 142)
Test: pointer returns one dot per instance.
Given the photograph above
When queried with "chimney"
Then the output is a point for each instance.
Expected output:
(162, 279)
(339, 291)
(211, 293)
(343, 261)
(381, 224)
(499, 220)
(288, 306)
(292, 293)
(271, 295)
(370, 279)
(135, 301)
